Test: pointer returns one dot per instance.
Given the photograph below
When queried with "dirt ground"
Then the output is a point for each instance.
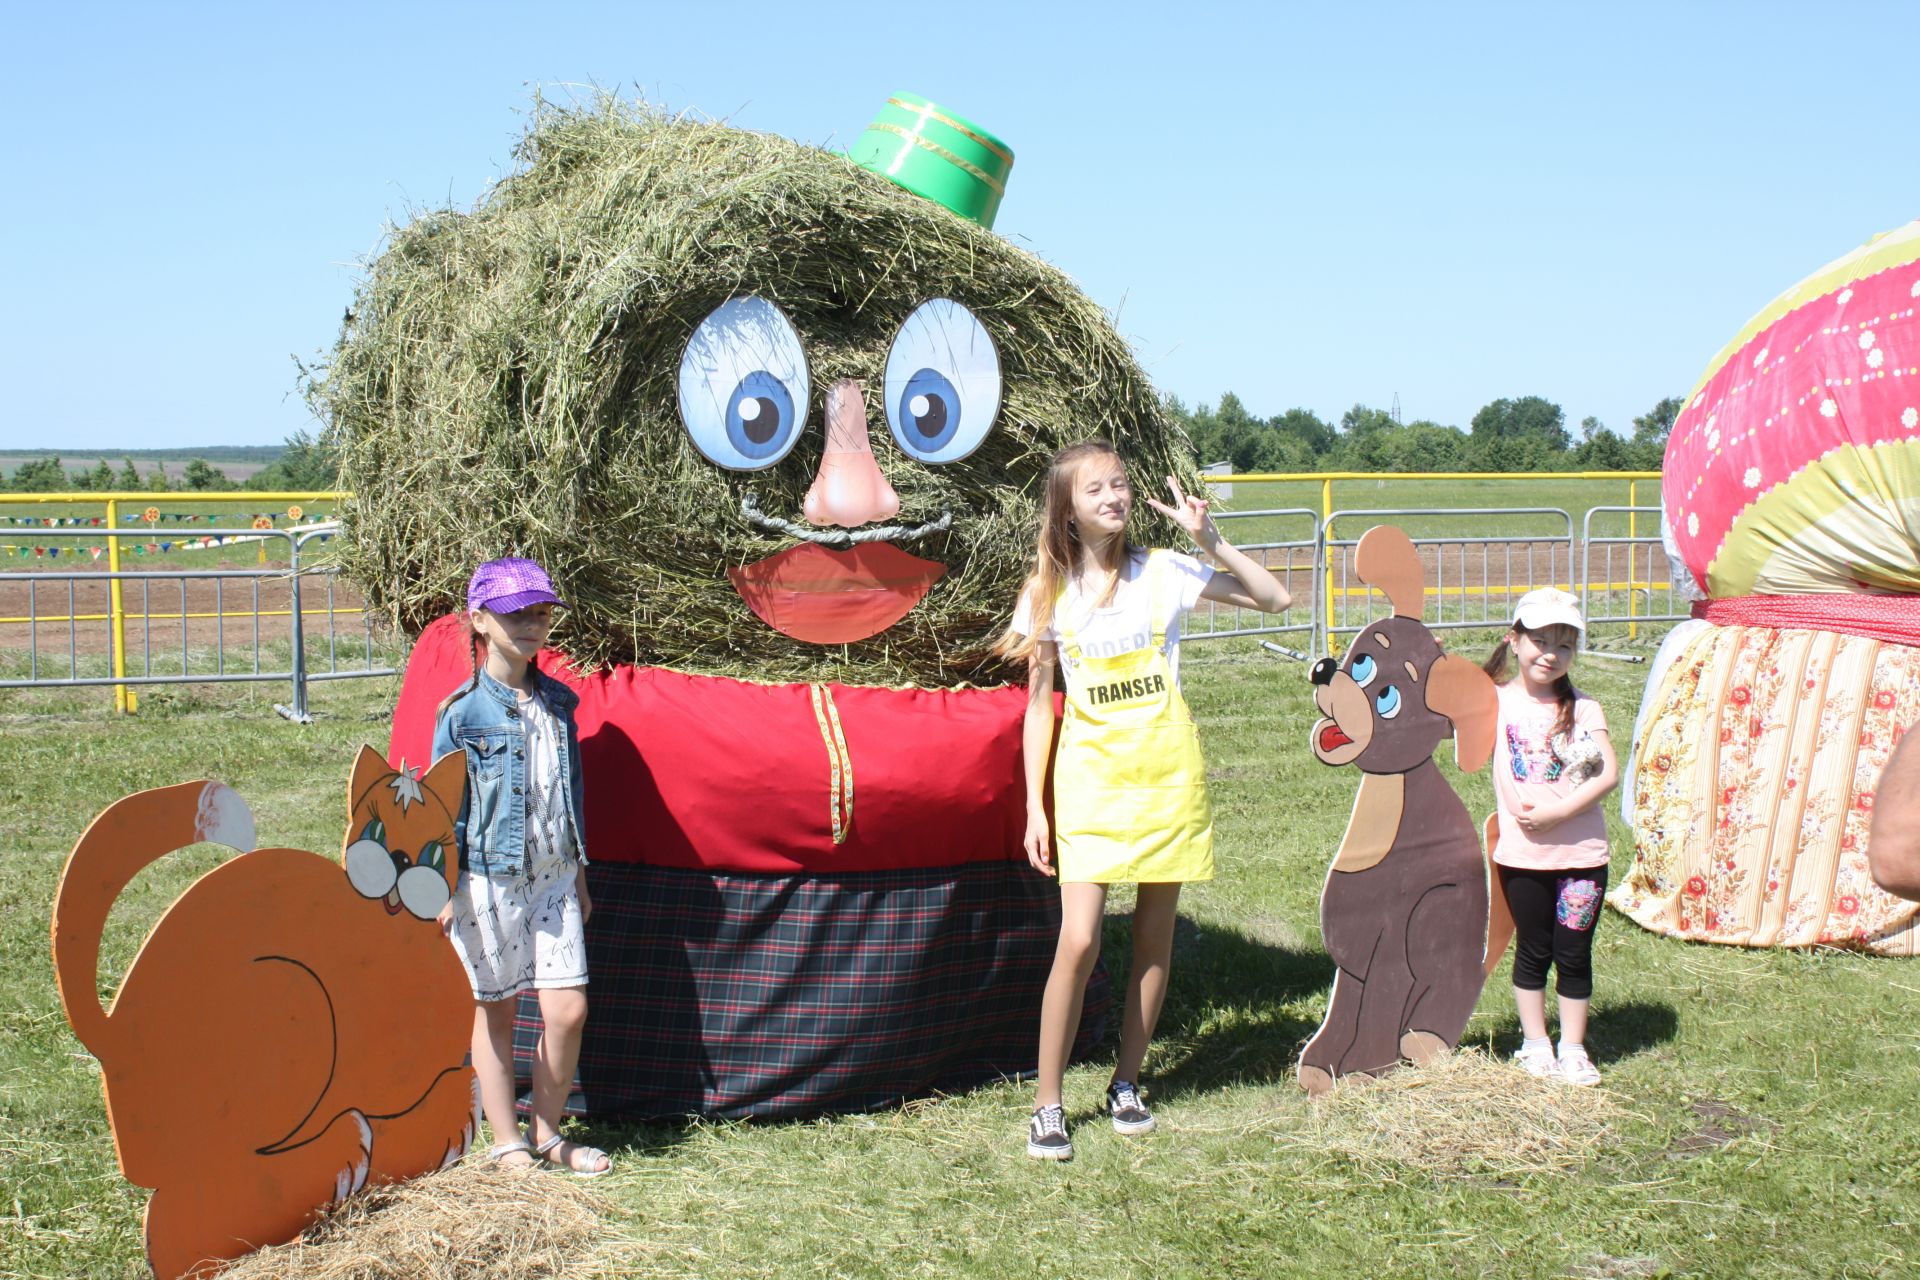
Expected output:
(153, 608)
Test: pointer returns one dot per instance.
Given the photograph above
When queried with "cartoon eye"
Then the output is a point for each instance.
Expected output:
(433, 854)
(423, 891)
(743, 385)
(1387, 701)
(1363, 671)
(370, 868)
(943, 383)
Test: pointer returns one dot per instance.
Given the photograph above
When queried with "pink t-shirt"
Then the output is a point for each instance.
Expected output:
(1532, 766)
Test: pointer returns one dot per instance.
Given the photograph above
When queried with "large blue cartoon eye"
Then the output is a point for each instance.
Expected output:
(760, 417)
(929, 411)
(943, 383)
(743, 385)
(1363, 671)
(1387, 702)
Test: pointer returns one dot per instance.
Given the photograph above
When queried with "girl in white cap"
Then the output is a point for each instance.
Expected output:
(1552, 765)
(519, 909)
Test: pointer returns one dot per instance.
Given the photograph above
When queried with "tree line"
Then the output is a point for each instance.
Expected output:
(303, 465)
(1525, 434)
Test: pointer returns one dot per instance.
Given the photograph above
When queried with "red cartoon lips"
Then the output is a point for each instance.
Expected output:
(835, 597)
(1331, 739)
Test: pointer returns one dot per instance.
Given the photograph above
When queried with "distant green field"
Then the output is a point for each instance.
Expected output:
(1570, 494)
(184, 519)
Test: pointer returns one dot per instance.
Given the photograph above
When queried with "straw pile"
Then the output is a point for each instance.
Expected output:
(505, 384)
(470, 1222)
(1467, 1114)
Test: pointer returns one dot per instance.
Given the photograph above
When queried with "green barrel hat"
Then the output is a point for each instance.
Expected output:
(935, 153)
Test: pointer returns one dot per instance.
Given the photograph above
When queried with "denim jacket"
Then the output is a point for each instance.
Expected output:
(485, 722)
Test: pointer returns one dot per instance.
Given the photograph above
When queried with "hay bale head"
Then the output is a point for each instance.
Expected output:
(509, 381)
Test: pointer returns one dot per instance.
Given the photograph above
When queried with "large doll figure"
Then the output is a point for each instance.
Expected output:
(775, 418)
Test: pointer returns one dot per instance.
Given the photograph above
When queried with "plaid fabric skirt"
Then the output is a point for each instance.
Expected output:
(774, 996)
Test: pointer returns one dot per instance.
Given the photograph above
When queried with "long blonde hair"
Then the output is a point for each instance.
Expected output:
(1057, 555)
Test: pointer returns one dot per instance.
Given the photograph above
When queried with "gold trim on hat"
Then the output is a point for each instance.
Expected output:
(928, 144)
(926, 111)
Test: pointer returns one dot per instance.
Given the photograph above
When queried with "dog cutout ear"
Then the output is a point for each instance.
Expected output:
(1384, 558)
(1464, 694)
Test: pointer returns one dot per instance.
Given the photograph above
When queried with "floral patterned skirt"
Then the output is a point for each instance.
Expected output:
(1753, 790)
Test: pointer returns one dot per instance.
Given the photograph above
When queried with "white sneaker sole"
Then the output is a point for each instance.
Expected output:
(1049, 1153)
(1133, 1129)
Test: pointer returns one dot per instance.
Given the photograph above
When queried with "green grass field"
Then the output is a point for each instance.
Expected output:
(1570, 494)
(1764, 1121)
(172, 530)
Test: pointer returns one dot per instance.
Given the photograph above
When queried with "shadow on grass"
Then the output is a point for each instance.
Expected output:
(1233, 1013)
(1616, 1031)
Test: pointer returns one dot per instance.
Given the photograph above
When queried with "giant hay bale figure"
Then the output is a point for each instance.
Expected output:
(776, 425)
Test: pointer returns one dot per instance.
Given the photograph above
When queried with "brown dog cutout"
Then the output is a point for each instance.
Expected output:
(287, 1033)
(1404, 912)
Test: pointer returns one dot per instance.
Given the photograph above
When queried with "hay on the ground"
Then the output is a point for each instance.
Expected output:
(475, 1221)
(505, 384)
(1468, 1114)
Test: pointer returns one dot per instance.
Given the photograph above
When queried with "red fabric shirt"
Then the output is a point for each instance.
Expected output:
(701, 771)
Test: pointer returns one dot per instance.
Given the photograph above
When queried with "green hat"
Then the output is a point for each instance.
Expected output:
(934, 153)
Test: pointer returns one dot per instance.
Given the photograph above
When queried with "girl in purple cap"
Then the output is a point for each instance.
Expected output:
(518, 913)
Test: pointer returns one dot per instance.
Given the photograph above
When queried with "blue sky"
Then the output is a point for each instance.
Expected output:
(1310, 206)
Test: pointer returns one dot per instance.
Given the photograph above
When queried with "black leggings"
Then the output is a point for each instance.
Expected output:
(1554, 916)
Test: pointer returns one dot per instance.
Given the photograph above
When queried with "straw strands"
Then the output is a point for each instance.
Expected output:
(505, 384)
(1467, 1114)
(475, 1221)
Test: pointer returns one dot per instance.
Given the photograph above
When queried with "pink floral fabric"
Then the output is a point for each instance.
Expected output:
(1754, 791)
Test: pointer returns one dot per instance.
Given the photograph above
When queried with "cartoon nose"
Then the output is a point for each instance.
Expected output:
(1323, 671)
(849, 489)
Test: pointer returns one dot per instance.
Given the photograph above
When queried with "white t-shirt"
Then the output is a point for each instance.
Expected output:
(549, 831)
(1127, 624)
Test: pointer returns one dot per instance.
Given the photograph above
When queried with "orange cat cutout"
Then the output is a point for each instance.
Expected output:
(287, 1033)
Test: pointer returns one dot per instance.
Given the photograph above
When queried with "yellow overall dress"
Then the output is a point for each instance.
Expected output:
(1129, 787)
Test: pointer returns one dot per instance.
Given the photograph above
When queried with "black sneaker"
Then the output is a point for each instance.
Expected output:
(1130, 1115)
(1047, 1135)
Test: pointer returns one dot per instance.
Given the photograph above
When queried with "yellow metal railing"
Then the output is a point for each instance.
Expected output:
(112, 503)
(1327, 479)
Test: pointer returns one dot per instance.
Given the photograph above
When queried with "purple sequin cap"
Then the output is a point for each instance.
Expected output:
(509, 585)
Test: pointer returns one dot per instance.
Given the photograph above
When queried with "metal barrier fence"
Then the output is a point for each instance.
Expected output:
(1294, 560)
(178, 630)
(274, 623)
(1474, 578)
(1643, 587)
(1471, 578)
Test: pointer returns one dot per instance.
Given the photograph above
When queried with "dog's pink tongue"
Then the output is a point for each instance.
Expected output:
(1331, 738)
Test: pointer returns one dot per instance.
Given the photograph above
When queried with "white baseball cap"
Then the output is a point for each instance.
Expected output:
(1549, 607)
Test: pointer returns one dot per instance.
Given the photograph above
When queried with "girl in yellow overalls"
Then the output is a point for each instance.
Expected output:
(1129, 788)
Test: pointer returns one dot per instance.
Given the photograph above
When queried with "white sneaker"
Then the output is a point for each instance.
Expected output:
(1535, 1060)
(1577, 1068)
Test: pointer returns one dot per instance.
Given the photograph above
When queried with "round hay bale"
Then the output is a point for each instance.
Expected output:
(505, 383)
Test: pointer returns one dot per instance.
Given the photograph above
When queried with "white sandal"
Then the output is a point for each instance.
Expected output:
(547, 1151)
